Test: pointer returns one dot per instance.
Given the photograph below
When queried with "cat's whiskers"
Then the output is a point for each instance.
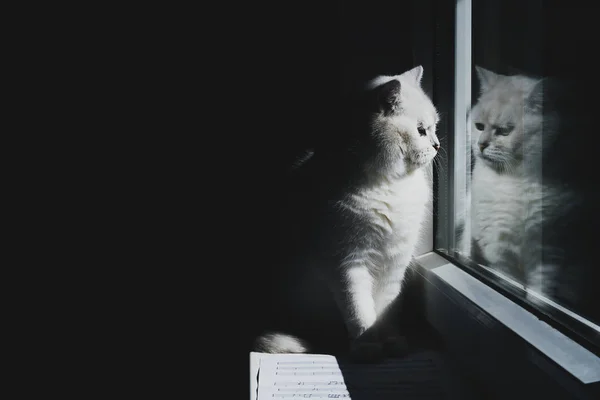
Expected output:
(439, 162)
(442, 152)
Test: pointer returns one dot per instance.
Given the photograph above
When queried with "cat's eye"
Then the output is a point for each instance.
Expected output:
(504, 130)
(421, 130)
(479, 126)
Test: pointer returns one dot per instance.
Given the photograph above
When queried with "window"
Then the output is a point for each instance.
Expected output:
(516, 203)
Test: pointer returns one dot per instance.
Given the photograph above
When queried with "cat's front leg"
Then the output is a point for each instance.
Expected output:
(387, 302)
(353, 290)
(388, 286)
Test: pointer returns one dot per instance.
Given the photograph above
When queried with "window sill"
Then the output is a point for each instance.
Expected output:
(504, 345)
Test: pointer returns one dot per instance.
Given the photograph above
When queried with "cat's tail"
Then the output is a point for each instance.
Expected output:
(276, 342)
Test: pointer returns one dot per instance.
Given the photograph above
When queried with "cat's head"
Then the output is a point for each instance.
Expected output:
(404, 121)
(507, 119)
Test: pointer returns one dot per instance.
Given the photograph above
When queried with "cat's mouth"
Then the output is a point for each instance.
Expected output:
(422, 158)
(496, 160)
(488, 159)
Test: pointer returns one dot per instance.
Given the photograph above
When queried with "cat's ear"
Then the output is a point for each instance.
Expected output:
(535, 99)
(388, 96)
(416, 74)
(487, 78)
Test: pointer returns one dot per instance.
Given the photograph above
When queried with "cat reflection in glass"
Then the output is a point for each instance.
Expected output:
(523, 208)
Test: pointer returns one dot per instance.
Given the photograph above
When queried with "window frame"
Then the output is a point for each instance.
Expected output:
(451, 95)
(493, 352)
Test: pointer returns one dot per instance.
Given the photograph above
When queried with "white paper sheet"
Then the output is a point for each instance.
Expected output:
(295, 376)
(317, 376)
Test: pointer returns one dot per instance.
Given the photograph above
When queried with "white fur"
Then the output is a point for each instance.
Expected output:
(396, 205)
(394, 201)
(413, 75)
(499, 203)
(507, 194)
(507, 216)
(387, 204)
(276, 342)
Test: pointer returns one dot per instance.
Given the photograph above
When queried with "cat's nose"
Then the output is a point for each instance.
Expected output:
(436, 146)
(482, 146)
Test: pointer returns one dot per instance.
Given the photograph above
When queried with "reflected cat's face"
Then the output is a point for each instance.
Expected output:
(505, 119)
(406, 122)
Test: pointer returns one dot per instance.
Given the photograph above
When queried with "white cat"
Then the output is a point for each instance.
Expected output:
(366, 223)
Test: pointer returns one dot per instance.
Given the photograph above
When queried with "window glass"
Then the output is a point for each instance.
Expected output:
(524, 165)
